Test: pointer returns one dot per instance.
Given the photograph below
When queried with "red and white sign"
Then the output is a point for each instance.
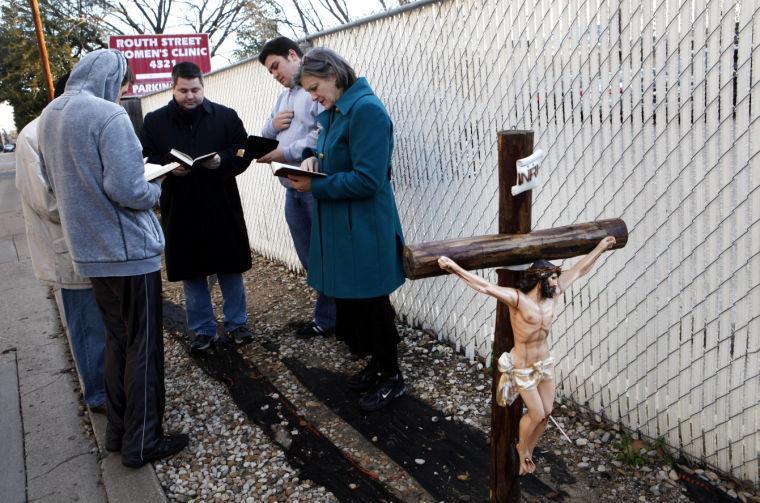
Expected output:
(152, 57)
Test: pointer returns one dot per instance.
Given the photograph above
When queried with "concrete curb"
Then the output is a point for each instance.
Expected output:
(124, 484)
(12, 467)
(121, 484)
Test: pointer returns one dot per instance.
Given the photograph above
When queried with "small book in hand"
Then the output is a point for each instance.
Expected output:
(283, 170)
(153, 171)
(188, 161)
(258, 146)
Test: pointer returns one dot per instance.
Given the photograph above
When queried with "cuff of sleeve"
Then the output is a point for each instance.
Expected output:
(307, 152)
(224, 156)
(268, 130)
(287, 153)
(318, 187)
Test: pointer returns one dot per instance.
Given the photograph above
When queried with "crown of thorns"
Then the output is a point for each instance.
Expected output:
(544, 271)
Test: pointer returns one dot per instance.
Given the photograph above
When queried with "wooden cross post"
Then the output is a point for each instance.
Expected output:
(514, 218)
(515, 244)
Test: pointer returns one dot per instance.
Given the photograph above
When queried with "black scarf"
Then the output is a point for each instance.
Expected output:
(187, 117)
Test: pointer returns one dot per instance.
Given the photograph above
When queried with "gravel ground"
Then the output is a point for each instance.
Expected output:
(232, 459)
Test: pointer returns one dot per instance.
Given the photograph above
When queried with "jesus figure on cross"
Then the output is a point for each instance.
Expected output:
(528, 369)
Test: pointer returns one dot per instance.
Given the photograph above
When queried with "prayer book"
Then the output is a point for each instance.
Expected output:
(258, 146)
(283, 170)
(188, 161)
(153, 171)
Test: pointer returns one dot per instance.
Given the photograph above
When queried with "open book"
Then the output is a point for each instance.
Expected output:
(188, 161)
(258, 146)
(153, 171)
(283, 170)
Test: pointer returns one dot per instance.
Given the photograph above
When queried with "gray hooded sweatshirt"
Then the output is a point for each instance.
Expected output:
(92, 160)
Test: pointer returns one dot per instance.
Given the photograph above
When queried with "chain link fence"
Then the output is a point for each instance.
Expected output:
(645, 112)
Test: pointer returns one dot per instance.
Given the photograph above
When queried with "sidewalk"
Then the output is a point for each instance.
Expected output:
(47, 455)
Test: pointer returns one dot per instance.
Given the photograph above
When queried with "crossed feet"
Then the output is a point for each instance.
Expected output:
(526, 460)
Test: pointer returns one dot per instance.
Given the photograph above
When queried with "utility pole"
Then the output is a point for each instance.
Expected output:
(43, 49)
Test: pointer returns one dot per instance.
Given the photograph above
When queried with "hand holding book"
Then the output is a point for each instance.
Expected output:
(189, 162)
(307, 169)
(154, 171)
(302, 177)
(257, 147)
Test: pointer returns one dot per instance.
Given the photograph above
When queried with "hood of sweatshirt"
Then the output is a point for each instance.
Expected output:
(99, 73)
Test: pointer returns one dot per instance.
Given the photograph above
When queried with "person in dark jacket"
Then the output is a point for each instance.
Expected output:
(201, 213)
(356, 238)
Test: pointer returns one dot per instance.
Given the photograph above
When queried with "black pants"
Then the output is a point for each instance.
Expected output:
(368, 327)
(134, 361)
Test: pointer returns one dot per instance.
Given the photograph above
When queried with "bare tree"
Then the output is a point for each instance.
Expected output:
(338, 9)
(312, 16)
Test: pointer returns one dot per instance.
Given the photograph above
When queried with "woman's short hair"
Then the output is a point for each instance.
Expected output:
(324, 63)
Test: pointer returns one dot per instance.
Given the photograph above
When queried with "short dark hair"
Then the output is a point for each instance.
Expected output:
(60, 85)
(279, 46)
(324, 63)
(129, 77)
(186, 70)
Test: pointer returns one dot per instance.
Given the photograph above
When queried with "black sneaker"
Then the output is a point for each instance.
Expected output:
(202, 342)
(241, 335)
(310, 330)
(365, 379)
(388, 389)
(169, 445)
(99, 409)
(113, 445)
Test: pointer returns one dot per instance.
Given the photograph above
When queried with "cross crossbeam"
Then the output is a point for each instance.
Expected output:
(499, 250)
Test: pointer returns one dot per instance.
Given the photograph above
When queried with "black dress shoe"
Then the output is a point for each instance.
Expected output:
(169, 445)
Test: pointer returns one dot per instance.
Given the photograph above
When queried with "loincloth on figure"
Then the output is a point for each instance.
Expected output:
(513, 379)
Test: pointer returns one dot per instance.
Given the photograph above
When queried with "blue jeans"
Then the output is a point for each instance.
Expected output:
(298, 207)
(200, 312)
(88, 341)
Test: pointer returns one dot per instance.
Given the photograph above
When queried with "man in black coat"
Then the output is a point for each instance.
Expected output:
(200, 206)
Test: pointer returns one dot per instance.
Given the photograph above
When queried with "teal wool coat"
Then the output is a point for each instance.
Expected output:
(356, 238)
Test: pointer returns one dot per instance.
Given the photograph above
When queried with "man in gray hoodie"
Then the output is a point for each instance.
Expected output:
(92, 161)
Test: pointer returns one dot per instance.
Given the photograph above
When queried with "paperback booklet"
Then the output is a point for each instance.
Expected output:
(258, 146)
(188, 161)
(153, 171)
(283, 170)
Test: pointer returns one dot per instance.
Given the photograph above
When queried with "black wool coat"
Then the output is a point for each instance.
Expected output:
(201, 213)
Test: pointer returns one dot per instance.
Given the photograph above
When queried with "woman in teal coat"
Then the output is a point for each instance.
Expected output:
(356, 238)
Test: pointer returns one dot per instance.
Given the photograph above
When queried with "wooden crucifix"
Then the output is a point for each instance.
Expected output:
(514, 245)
